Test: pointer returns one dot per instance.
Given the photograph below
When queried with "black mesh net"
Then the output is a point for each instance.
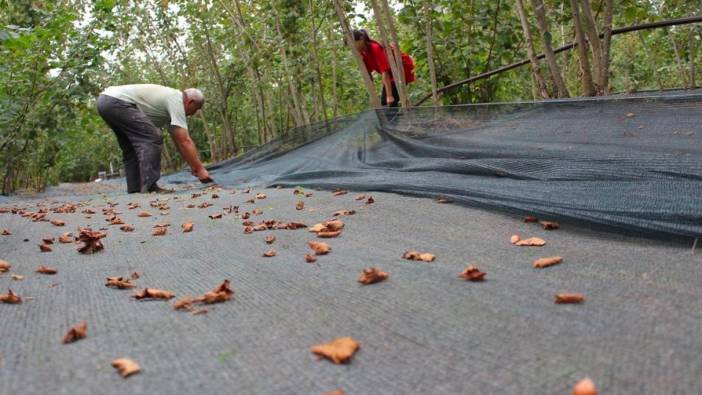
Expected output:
(632, 163)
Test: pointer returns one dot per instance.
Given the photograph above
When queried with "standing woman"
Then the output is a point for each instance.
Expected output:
(376, 59)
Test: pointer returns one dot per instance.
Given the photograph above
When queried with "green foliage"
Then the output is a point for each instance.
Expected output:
(269, 65)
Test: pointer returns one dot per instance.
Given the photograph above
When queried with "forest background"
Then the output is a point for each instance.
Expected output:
(267, 66)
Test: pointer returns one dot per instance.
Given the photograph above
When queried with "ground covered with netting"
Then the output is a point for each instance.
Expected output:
(617, 195)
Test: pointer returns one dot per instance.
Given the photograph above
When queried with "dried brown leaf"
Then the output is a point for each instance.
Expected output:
(334, 225)
(514, 239)
(319, 247)
(531, 242)
(530, 219)
(10, 298)
(370, 200)
(339, 192)
(310, 258)
(442, 200)
(57, 222)
(17, 277)
(77, 332)
(270, 253)
(569, 298)
(187, 227)
(126, 228)
(338, 350)
(46, 270)
(134, 275)
(257, 211)
(336, 392)
(159, 231)
(144, 214)
(153, 293)
(372, 275)
(472, 273)
(4, 266)
(344, 212)
(218, 295)
(66, 238)
(132, 206)
(269, 239)
(119, 283)
(300, 205)
(360, 197)
(546, 262)
(204, 205)
(6, 232)
(125, 366)
(260, 196)
(585, 387)
(419, 256)
(548, 225)
(328, 234)
(48, 240)
(183, 304)
(91, 241)
(44, 248)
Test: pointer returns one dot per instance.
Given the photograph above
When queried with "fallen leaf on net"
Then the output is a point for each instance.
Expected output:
(531, 242)
(300, 206)
(419, 256)
(6, 232)
(339, 192)
(548, 225)
(88, 211)
(91, 241)
(134, 275)
(215, 216)
(372, 275)
(119, 283)
(159, 231)
(125, 366)
(160, 225)
(334, 225)
(343, 212)
(442, 200)
(546, 262)
(530, 219)
(132, 206)
(260, 196)
(144, 214)
(585, 387)
(10, 298)
(153, 293)
(204, 205)
(252, 200)
(336, 392)
(48, 240)
(187, 227)
(44, 248)
(17, 277)
(270, 253)
(472, 273)
(247, 190)
(269, 239)
(220, 294)
(4, 266)
(165, 212)
(308, 194)
(569, 298)
(66, 238)
(370, 200)
(319, 247)
(257, 211)
(295, 225)
(46, 270)
(183, 304)
(215, 196)
(360, 197)
(630, 115)
(246, 215)
(57, 222)
(328, 234)
(317, 228)
(116, 221)
(514, 239)
(126, 228)
(77, 332)
(310, 258)
(338, 350)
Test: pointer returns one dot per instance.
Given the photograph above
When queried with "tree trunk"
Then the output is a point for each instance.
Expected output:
(429, 32)
(692, 52)
(606, 47)
(335, 99)
(397, 53)
(392, 59)
(678, 59)
(373, 96)
(585, 70)
(318, 70)
(589, 29)
(556, 76)
(228, 138)
(538, 79)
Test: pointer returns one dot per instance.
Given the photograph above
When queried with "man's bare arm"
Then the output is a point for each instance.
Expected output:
(188, 151)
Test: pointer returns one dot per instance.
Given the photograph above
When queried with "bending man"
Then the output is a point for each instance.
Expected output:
(135, 113)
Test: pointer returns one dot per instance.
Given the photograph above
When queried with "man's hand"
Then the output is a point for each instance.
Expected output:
(390, 100)
(202, 174)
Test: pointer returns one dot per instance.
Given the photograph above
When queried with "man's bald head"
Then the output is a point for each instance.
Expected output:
(193, 100)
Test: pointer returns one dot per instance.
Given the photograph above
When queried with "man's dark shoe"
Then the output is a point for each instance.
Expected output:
(158, 189)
